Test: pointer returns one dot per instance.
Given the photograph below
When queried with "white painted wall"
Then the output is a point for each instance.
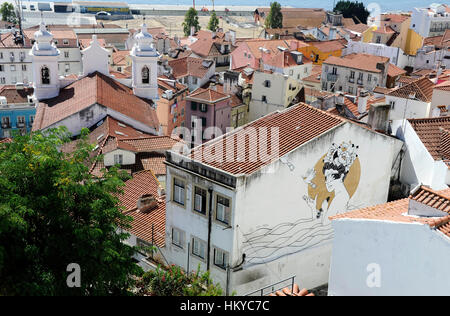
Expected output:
(129, 158)
(418, 166)
(407, 108)
(413, 258)
(271, 222)
(439, 97)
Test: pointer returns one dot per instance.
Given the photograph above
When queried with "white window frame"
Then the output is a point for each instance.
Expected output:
(178, 237)
(198, 248)
(118, 159)
(179, 192)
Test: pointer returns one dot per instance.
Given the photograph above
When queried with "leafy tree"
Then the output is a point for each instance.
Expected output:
(53, 212)
(274, 19)
(351, 9)
(175, 282)
(190, 20)
(8, 13)
(213, 23)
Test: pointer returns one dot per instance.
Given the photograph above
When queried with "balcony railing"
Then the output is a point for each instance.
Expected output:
(272, 288)
(360, 81)
(351, 80)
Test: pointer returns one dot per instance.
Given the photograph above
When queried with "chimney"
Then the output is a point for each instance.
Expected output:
(379, 117)
(362, 101)
(146, 203)
(340, 98)
(332, 34)
(443, 111)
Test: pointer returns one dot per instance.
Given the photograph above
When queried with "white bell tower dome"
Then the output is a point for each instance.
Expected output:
(145, 65)
(44, 56)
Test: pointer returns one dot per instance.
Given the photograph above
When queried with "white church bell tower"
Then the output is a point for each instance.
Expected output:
(145, 66)
(44, 55)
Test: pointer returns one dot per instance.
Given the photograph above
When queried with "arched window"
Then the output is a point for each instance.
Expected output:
(145, 75)
(45, 75)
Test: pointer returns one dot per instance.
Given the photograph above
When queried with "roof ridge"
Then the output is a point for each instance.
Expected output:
(425, 188)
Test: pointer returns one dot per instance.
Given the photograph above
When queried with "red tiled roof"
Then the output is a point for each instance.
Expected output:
(207, 95)
(429, 132)
(422, 88)
(284, 59)
(396, 211)
(271, 45)
(95, 88)
(358, 61)
(444, 86)
(294, 292)
(394, 71)
(145, 182)
(328, 46)
(296, 125)
(14, 95)
(119, 57)
(188, 66)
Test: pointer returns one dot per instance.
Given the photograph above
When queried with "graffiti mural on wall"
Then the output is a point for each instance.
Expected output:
(331, 183)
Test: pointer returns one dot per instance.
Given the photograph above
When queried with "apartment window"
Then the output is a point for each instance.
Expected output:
(194, 80)
(200, 197)
(24, 67)
(11, 55)
(203, 107)
(360, 76)
(334, 71)
(67, 67)
(194, 106)
(13, 68)
(66, 54)
(369, 77)
(264, 99)
(220, 258)
(31, 119)
(392, 104)
(2, 68)
(324, 85)
(267, 83)
(2, 80)
(65, 42)
(291, 72)
(352, 75)
(1, 55)
(198, 248)
(20, 121)
(22, 55)
(223, 209)
(177, 237)
(118, 159)
(245, 54)
(350, 90)
(6, 123)
(178, 191)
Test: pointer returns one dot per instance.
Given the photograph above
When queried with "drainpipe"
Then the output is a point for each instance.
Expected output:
(208, 256)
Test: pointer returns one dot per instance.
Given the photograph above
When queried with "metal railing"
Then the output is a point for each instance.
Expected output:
(272, 288)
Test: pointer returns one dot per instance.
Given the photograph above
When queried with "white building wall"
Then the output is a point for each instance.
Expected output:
(439, 97)
(412, 259)
(407, 108)
(278, 230)
(193, 224)
(418, 166)
(395, 54)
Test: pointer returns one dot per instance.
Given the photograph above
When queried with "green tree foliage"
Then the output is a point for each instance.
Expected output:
(213, 23)
(8, 13)
(190, 19)
(53, 212)
(353, 9)
(175, 282)
(274, 19)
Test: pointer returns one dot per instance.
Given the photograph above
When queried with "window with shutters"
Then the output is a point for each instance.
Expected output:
(223, 209)
(177, 237)
(220, 258)
(198, 248)
(179, 188)
(200, 200)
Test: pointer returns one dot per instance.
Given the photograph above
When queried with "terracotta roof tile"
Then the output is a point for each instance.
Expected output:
(397, 211)
(207, 95)
(394, 71)
(358, 61)
(444, 86)
(429, 132)
(296, 125)
(188, 66)
(14, 95)
(328, 46)
(422, 89)
(145, 182)
(292, 292)
(95, 88)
